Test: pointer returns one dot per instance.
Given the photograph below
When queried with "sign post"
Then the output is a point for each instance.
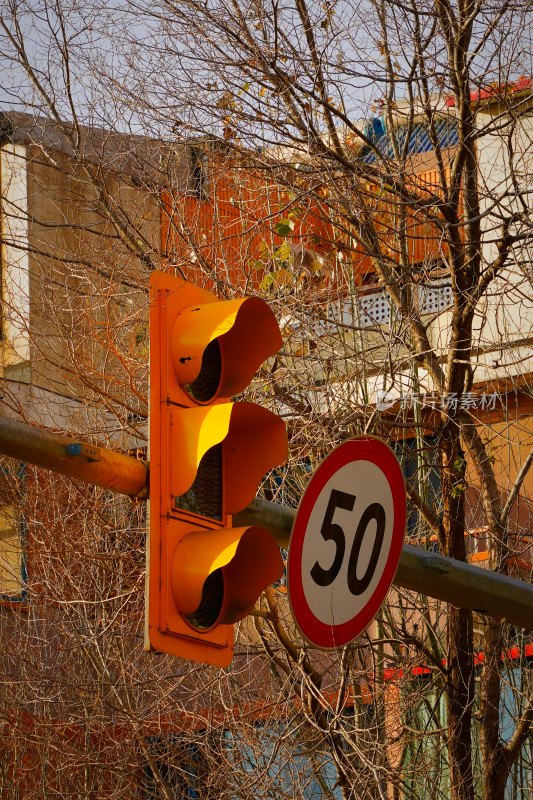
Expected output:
(346, 542)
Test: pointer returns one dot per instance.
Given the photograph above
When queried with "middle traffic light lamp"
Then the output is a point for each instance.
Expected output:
(208, 455)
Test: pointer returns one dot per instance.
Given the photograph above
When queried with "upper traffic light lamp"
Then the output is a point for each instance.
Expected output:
(207, 457)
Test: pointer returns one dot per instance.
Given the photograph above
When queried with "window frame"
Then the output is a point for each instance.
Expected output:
(20, 527)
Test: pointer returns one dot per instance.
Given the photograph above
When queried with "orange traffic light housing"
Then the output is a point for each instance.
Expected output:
(207, 457)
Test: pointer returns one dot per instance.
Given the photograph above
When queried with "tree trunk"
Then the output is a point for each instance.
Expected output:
(460, 662)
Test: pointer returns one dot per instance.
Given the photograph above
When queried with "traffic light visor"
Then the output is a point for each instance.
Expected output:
(236, 425)
(218, 575)
(218, 347)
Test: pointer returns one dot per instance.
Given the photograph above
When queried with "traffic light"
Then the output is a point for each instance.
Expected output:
(207, 457)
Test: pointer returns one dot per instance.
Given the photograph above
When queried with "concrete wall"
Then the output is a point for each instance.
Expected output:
(15, 344)
(74, 297)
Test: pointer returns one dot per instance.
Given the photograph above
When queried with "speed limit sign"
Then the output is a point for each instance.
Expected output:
(346, 542)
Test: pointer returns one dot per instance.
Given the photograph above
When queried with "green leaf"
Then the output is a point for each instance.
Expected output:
(283, 253)
(267, 282)
(264, 250)
(284, 227)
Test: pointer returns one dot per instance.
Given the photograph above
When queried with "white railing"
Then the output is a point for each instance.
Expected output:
(372, 309)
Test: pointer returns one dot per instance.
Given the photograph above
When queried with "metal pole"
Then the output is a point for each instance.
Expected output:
(87, 463)
(421, 571)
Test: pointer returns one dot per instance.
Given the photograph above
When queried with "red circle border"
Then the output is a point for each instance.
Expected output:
(366, 448)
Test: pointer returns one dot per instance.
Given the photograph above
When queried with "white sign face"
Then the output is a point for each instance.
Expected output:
(340, 574)
(346, 542)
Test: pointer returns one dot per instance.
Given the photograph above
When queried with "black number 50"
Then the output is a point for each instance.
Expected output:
(331, 531)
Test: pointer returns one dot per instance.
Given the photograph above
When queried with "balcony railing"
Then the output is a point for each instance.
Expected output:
(371, 309)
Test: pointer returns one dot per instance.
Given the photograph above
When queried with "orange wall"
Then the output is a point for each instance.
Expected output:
(235, 225)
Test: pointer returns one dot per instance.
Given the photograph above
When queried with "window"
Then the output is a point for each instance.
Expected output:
(425, 770)
(276, 763)
(176, 763)
(11, 554)
(13, 576)
(420, 465)
(516, 689)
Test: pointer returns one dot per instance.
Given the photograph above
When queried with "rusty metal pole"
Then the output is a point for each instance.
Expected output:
(422, 571)
(95, 465)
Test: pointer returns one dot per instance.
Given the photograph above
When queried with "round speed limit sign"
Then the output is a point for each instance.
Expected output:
(346, 542)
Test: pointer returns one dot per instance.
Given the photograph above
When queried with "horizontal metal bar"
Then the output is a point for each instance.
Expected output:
(444, 578)
(88, 463)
